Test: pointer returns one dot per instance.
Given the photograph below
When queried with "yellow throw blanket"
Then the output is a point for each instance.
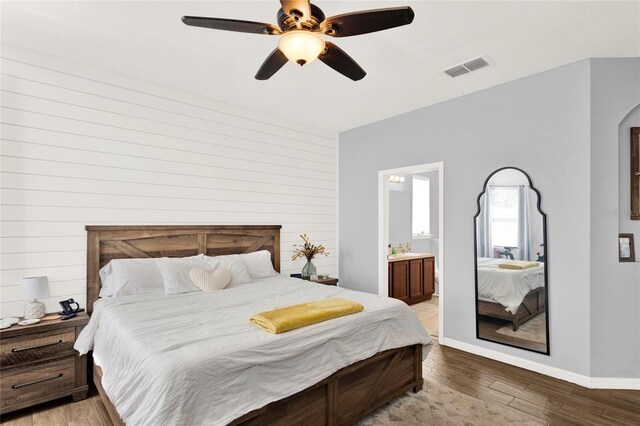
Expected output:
(518, 264)
(296, 316)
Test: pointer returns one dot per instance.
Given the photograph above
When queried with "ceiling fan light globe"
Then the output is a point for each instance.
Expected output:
(301, 47)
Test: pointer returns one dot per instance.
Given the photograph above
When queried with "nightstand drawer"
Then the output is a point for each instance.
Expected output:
(37, 340)
(38, 381)
(36, 347)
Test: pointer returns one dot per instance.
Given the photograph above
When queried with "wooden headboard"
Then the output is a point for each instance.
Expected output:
(105, 243)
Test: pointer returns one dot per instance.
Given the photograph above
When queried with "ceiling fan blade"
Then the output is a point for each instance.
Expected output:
(337, 59)
(367, 21)
(271, 65)
(231, 25)
(302, 6)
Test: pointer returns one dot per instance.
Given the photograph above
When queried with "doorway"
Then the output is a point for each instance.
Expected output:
(407, 196)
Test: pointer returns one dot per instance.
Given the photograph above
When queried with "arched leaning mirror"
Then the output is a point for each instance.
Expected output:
(511, 262)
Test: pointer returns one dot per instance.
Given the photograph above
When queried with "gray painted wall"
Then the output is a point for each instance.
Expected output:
(615, 287)
(540, 124)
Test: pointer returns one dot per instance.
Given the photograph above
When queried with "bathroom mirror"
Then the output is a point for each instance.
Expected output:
(511, 262)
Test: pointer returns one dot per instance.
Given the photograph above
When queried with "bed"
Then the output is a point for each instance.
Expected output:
(230, 372)
(508, 294)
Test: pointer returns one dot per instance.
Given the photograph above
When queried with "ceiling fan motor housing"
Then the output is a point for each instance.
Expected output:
(286, 22)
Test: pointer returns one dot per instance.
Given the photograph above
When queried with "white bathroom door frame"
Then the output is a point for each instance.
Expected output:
(383, 231)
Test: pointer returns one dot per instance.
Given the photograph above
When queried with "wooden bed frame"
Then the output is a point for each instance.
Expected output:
(342, 398)
(532, 305)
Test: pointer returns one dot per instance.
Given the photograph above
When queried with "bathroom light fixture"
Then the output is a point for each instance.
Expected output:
(301, 47)
(396, 179)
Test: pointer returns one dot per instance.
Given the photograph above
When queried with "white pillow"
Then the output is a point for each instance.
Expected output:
(259, 264)
(175, 273)
(235, 265)
(124, 277)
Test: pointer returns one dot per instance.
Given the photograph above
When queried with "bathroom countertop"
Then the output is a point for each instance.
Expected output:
(408, 256)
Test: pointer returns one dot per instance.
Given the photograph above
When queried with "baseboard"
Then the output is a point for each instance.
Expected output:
(615, 383)
(547, 370)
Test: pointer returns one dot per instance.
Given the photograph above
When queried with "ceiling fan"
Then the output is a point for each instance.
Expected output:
(300, 24)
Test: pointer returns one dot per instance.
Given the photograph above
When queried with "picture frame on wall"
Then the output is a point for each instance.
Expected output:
(626, 248)
(635, 173)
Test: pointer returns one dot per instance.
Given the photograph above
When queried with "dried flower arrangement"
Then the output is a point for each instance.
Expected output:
(307, 250)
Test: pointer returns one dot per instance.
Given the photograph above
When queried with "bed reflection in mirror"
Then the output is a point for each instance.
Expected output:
(511, 266)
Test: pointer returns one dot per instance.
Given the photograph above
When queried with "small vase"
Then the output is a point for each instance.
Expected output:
(308, 270)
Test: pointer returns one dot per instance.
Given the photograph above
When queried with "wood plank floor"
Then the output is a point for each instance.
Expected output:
(62, 412)
(553, 401)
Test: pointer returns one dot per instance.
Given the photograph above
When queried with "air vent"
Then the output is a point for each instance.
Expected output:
(456, 71)
(467, 67)
(475, 64)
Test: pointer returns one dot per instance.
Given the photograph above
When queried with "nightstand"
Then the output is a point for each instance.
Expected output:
(325, 281)
(38, 363)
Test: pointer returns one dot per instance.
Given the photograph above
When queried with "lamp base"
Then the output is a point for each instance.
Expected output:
(34, 310)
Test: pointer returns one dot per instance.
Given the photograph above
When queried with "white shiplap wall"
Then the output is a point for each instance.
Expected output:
(85, 146)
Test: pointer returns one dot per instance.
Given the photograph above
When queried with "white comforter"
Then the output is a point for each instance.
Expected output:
(195, 358)
(507, 286)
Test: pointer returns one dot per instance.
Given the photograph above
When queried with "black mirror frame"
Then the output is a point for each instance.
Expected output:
(546, 258)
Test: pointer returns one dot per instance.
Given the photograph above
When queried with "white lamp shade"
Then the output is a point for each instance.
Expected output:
(301, 46)
(34, 288)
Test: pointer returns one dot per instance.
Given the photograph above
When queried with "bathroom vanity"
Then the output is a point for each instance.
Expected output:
(411, 277)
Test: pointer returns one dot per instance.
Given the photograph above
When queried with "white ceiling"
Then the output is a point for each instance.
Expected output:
(404, 65)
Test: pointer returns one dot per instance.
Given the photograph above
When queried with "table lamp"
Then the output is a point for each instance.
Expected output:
(34, 288)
